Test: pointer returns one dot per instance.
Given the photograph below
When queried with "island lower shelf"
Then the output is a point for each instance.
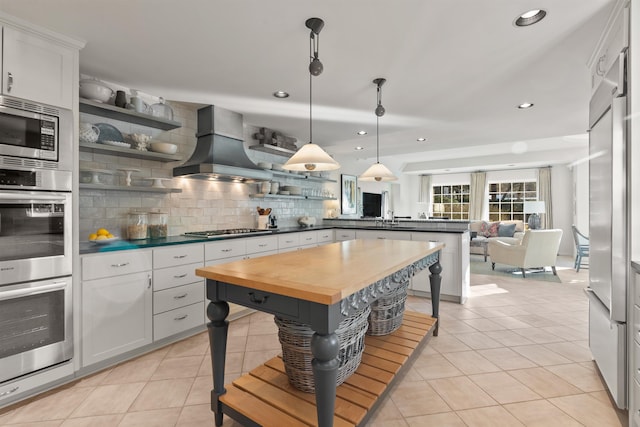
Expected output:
(265, 397)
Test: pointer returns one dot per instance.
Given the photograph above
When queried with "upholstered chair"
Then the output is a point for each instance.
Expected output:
(538, 248)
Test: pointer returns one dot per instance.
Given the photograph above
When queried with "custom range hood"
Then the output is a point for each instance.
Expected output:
(219, 153)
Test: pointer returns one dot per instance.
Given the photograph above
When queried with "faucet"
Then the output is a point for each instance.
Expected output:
(392, 221)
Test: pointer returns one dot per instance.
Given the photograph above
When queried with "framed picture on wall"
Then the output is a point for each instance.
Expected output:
(349, 191)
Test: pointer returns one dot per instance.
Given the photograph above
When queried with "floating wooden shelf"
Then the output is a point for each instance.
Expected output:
(273, 149)
(117, 113)
(130, 188)
(128, 152)
(284, 196)
(265, 396)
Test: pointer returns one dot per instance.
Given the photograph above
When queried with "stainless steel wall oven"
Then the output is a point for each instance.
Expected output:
(36, 251)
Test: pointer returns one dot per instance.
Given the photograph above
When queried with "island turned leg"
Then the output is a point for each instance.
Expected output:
(435, 279)
(217, 312)
(325, 365)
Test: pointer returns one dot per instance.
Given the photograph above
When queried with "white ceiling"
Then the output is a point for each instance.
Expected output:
(455, 70)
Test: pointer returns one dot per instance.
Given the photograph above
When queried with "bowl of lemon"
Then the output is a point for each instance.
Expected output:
(102, 236)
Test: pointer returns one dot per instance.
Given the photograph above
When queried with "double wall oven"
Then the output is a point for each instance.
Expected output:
(36, 161)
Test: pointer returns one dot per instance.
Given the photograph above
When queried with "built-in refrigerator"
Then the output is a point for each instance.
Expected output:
(608, 282)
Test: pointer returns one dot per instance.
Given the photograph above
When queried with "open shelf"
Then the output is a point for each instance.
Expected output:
(284, 196)
(117, 113)
(128, 152)
(298, 176)
(273, 149)
(131, 188)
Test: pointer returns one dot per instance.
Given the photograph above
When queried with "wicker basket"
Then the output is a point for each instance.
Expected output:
(387, 312)
(295, 339)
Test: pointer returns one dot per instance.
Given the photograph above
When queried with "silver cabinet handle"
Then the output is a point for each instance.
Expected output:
(263, 245)
(8, 392)
(149, 279)
(180, 296)
(227, 250)
(382, 238)
(288, 241)
(9, 81)
(120, 265)
(179, 256)
(308, 238)
(181, 317)
(180, 276)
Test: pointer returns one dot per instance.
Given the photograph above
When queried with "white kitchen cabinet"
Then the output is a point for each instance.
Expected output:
(223, 249)
(178, 294)
(634, 350)
(37, 68)
(342, 235)
(101, 265)
(288, 242)
(308, 239)
(116, 315)
(455, 266)
(383, 234)
(325, 237)
(261, 246)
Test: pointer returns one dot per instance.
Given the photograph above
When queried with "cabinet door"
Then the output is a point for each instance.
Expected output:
(223, 249)
(325, 237)
(383, 234)
(37, 69)
(116, 316)
(342, 235)
(308, 239)
(452, 284)
(178, 255)
(256, 245)
(289, 241)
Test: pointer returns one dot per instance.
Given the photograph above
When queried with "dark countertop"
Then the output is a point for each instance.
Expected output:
(122, 245)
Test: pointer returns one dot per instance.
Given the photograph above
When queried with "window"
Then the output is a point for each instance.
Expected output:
(451, 201)
(506, 199)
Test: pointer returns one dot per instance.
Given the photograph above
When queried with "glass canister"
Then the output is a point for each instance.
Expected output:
(158, 225)
(137, 225)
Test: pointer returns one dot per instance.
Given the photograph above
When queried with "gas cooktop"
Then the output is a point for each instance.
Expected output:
(228, 232)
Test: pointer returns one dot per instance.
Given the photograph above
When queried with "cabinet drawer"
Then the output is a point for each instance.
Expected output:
(342, 235)
(262, 301)
(165, 278)
(308, 238)
(290, 240)
(97, 266)
(178, 255)
(325, 236)
(180, 296)
(178, 320)
(450, 240)
(261, 244)
(225, 249)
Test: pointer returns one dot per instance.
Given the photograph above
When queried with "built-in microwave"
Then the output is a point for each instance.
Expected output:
(34, 131)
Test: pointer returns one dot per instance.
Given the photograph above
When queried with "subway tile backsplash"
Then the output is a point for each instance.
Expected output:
(202, 205)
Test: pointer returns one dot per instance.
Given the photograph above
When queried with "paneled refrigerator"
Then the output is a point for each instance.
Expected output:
(608, 282)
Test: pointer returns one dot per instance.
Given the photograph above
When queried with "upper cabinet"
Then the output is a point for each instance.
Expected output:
(37, 68)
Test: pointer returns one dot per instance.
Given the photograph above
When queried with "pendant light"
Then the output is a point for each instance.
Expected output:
(378, 171)
(311, 157)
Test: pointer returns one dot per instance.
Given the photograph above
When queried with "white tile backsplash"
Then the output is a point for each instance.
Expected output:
(201, 205)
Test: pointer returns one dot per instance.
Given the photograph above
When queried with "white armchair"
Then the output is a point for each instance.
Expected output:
(538, 248)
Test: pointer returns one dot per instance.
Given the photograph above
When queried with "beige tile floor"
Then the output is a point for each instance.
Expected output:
(515, 354)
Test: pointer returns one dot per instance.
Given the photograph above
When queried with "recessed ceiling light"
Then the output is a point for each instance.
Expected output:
(281, 94)
(421, 139)
(525, 105)
(362, 132)
(531, 17)
(359, 148)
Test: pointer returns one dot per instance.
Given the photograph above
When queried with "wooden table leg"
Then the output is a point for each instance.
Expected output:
(217, 312)
(435, 279)
(325, 365)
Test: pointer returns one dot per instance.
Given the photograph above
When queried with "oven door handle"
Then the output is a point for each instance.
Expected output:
(23, 292)
(30, 197)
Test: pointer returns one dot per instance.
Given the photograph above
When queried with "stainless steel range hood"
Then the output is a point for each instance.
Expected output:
(219, 153)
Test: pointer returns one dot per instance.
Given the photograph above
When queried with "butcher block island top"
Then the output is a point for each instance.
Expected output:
(325, 274)
(318, 289)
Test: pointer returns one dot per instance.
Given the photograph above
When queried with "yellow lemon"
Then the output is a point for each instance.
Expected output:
(93, 236)
(102, 232)
(110, 236)
(101, 237)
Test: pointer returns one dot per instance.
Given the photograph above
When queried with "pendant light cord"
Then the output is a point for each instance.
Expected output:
(377, 139)
(311, 48)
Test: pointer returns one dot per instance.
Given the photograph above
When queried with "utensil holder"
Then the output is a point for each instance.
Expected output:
(263, 222)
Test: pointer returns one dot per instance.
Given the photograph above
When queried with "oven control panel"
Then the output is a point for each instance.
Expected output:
(18, 178)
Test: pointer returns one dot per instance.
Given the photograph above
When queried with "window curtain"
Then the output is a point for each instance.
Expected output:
(424, 195)
(544, 195)
(478, 193)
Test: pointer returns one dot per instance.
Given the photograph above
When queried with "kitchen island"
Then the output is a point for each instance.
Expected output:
(318, 287)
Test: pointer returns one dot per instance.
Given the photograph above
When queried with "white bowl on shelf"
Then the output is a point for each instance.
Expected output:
(163, 147)
(95, 90)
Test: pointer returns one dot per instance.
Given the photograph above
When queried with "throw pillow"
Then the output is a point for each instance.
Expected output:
(489, 229)
(506, 230)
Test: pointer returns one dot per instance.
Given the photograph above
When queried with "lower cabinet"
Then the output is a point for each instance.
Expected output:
(342, 235)
(179, 319)
(116, 315)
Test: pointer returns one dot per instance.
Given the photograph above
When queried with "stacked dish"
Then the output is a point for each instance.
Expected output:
(294, 190)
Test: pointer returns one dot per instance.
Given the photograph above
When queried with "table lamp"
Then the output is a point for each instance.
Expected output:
(534, 208)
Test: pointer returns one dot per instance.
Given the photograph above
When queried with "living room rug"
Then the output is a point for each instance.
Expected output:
(478, 266)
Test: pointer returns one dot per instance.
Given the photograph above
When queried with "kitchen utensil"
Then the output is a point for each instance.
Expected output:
(109, 133)
(121, 99)
(163, 147)
(161, 110)
(88, 132)
(95, 90)
(138, 104)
